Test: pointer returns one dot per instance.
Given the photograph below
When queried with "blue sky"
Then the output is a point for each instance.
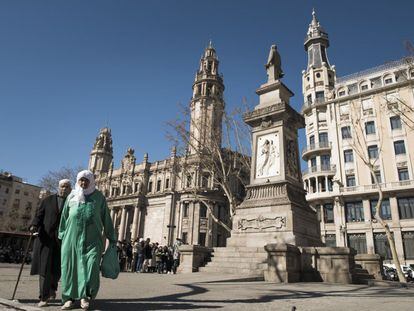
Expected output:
(68, 68)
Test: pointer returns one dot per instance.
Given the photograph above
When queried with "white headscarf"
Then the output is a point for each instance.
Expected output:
(79, 193)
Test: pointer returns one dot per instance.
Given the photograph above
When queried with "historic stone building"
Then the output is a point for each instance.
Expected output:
(339, 185)
(18, 202)
(162, 200)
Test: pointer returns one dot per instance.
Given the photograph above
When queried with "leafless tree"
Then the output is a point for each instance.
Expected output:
(50, 180)
(224, 155)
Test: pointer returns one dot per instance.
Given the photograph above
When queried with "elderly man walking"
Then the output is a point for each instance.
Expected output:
(46, 249)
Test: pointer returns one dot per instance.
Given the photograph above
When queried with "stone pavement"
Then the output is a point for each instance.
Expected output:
(201, 291)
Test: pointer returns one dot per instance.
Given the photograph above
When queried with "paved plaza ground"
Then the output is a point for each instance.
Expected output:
(201, 291)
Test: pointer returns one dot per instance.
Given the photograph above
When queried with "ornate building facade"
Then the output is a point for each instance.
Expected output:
(162, 200)
(338, 183)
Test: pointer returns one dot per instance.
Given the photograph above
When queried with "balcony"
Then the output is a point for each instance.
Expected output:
(316, 148)
(310, 104)
(320, 169)
(389, 186)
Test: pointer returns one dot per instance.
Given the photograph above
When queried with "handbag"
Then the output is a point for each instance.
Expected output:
(110, 265)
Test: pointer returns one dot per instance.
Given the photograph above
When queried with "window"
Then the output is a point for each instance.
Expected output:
(184, 236)
(349, 156)
(350, 181)
(378, 176)
(403, 174)
(202, 238)
(354, 211)
(323, 139)
(320, 97)
(395, 123)
(330, 240)
(406, 207)
(385, 212)
(7, 190)
(313, 162)
(204, 180)
(399, 147)
(346, 132)
(341, 93)
(382, 247)
(325, 162)
(186, 209)
(167, 183)
(26, 193)
(309, 99)
(328, 213)
(312, 141)
(367, 104)
(370, 127)
(189, 180)
(17, 191)
(203, 211)
(358, 242)
(408, 243)
(158, 185)
(150, 186)
(364, 87)
(373, 152)
(388, 81)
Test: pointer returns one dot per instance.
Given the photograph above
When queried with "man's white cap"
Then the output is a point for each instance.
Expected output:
(64, 181)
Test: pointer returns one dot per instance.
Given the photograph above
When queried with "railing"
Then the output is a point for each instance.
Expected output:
(316, 102)
(386, 66)
(320, 168)
(320, 145)
(384, 186)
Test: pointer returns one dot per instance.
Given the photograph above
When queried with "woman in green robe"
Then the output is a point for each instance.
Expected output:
(84, 217)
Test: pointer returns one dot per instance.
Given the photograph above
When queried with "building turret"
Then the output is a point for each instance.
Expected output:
(319, 77)
(207, 104)
(102, 153)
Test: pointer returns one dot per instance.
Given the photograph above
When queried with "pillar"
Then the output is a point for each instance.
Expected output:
(135, 224)
(121, 233)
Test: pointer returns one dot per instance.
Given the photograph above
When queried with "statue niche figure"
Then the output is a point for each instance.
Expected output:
(274, 65)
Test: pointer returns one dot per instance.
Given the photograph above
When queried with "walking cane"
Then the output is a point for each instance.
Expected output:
(24, 259)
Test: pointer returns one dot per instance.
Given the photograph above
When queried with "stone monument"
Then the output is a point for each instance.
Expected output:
(275, 209)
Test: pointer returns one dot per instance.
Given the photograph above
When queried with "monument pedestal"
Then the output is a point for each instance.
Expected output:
(274, 213)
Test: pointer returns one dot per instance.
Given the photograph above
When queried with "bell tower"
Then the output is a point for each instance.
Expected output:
(101, 155)
(207, 103)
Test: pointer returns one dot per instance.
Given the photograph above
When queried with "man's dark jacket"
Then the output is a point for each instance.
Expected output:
(46, 248)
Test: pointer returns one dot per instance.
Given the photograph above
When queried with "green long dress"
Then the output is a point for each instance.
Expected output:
(80, 230)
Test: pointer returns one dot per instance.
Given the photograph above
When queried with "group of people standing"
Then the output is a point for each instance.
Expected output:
(143, 256)
(69, 244)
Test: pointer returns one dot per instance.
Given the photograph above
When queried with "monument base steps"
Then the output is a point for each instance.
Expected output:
(243, 261)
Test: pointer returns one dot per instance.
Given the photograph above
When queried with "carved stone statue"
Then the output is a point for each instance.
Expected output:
(274, 65)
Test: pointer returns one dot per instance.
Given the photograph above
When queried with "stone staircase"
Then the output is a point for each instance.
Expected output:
(361, 275)
(243, 261)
